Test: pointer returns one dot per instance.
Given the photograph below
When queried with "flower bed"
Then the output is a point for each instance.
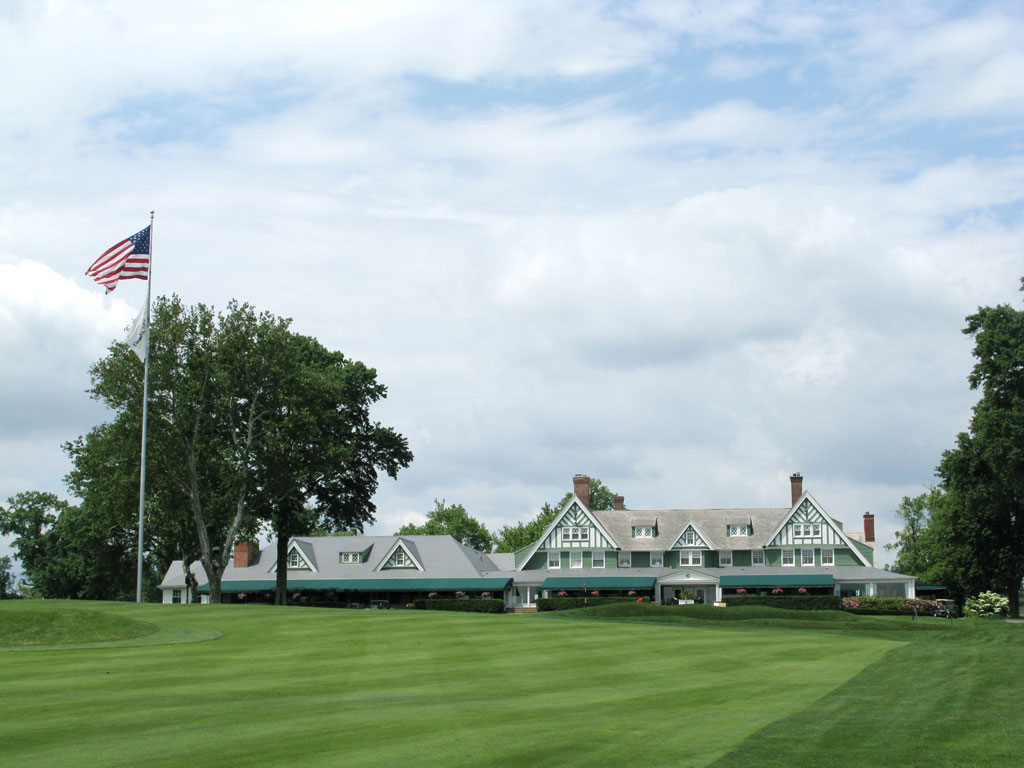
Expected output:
(872, 605)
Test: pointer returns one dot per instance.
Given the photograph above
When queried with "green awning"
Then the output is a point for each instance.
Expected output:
(599, 582)
(367, 585)
(929, 587)
(781, 580)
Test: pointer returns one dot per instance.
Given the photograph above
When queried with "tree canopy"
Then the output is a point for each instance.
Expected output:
(983, 474)
(452, 520)
(250, 423)
(512, 538)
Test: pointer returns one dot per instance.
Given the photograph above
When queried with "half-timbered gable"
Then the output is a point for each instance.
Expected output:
(807, 528)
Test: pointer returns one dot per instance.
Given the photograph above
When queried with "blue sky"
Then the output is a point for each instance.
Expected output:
(686, 248)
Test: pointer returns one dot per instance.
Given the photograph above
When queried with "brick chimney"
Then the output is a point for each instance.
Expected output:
(796, 485)
(620, 502)
(245, 553)
(869, 527)
(581, 487)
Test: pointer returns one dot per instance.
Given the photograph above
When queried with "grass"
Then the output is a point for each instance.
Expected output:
(315, 687)
(24, 624)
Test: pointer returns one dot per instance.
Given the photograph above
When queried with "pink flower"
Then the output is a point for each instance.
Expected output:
(802, 590)
(741, 591)
(777, 591)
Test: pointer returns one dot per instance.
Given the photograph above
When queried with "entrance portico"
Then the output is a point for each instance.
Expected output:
(690, 580)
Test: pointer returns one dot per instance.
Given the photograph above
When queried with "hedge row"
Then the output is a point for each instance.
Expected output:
(476, 605)
(567, 603)
(872, 605)
(792, 602)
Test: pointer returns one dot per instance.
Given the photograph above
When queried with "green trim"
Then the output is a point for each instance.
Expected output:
(598, 582)
(365, 585)
(782, 580)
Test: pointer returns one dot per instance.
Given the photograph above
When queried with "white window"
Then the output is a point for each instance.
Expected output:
(806, 557)
(576, 559)
(294, 561)
(554, 559)
(725, 558)
(657, 559)
(788, 557)
(687, 557)
(739, 530)
(575, 534)
(599, 559)
(817, 529)
(828, 557)
(176, 596)
(349, 557)
(400, 557)
(689, 538)
(624, 560)
(643, 532)
(757, 557)
(798, 529)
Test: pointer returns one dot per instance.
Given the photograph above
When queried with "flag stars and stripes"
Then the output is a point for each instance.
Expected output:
(126, 260)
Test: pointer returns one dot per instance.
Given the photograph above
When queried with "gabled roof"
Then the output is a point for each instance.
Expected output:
(836, 528)
(175, 576)
(306, 552)
(696, 529)
(577, 501)
(406, 546)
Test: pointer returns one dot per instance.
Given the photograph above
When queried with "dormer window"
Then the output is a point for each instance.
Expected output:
(349, 557)
(689, 538)
(643, 532)
(739, 530)
(294, 561)
(399, 559)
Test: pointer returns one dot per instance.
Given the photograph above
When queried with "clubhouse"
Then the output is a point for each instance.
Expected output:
(708, 554)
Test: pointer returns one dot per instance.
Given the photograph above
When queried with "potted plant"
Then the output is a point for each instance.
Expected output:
(485, 594)
(685, 598)
(595, 593)
(741, 591)
(802, 590)
(432, 595)
(563, 593)
(777, 591)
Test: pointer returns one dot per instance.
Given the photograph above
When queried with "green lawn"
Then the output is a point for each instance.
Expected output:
(317, 687)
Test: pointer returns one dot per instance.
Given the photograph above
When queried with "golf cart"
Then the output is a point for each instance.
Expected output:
(945, 609)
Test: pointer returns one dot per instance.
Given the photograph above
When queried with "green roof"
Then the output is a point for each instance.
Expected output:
(783, 580)
(598, 582)
(365, 585)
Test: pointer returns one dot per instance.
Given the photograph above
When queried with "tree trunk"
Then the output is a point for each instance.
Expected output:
(1013, 593)
(281, 586)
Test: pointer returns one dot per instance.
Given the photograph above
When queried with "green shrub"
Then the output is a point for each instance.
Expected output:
(568, 603)
(479, 605)
(791, 602)
(987, 605)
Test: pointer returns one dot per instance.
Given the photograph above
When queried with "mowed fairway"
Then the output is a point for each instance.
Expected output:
(318, 687)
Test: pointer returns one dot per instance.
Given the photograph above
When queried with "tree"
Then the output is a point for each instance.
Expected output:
(6, 578)
(248, 421)
(69, 551)
(984, 473)
(451, 520)
(512, 538)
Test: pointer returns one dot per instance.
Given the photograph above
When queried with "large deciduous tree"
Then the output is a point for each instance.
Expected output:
(452, 520)
(247, 421)
(984, 473)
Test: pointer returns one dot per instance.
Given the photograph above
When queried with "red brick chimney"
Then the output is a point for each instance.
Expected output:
(581, 487)
(245, 553)
(869, 527)
(796, 485)
(620, 502)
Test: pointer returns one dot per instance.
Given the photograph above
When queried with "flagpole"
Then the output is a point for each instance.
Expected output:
(145, 414)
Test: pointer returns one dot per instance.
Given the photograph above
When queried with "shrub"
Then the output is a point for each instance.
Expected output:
(481, 605)
(872, 605)
(568, 603)
(793, 602)
(987, 605)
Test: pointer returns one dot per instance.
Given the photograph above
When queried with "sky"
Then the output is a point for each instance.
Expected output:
(686, 248)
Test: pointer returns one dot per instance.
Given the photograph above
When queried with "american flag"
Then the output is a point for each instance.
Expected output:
(127, 260)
